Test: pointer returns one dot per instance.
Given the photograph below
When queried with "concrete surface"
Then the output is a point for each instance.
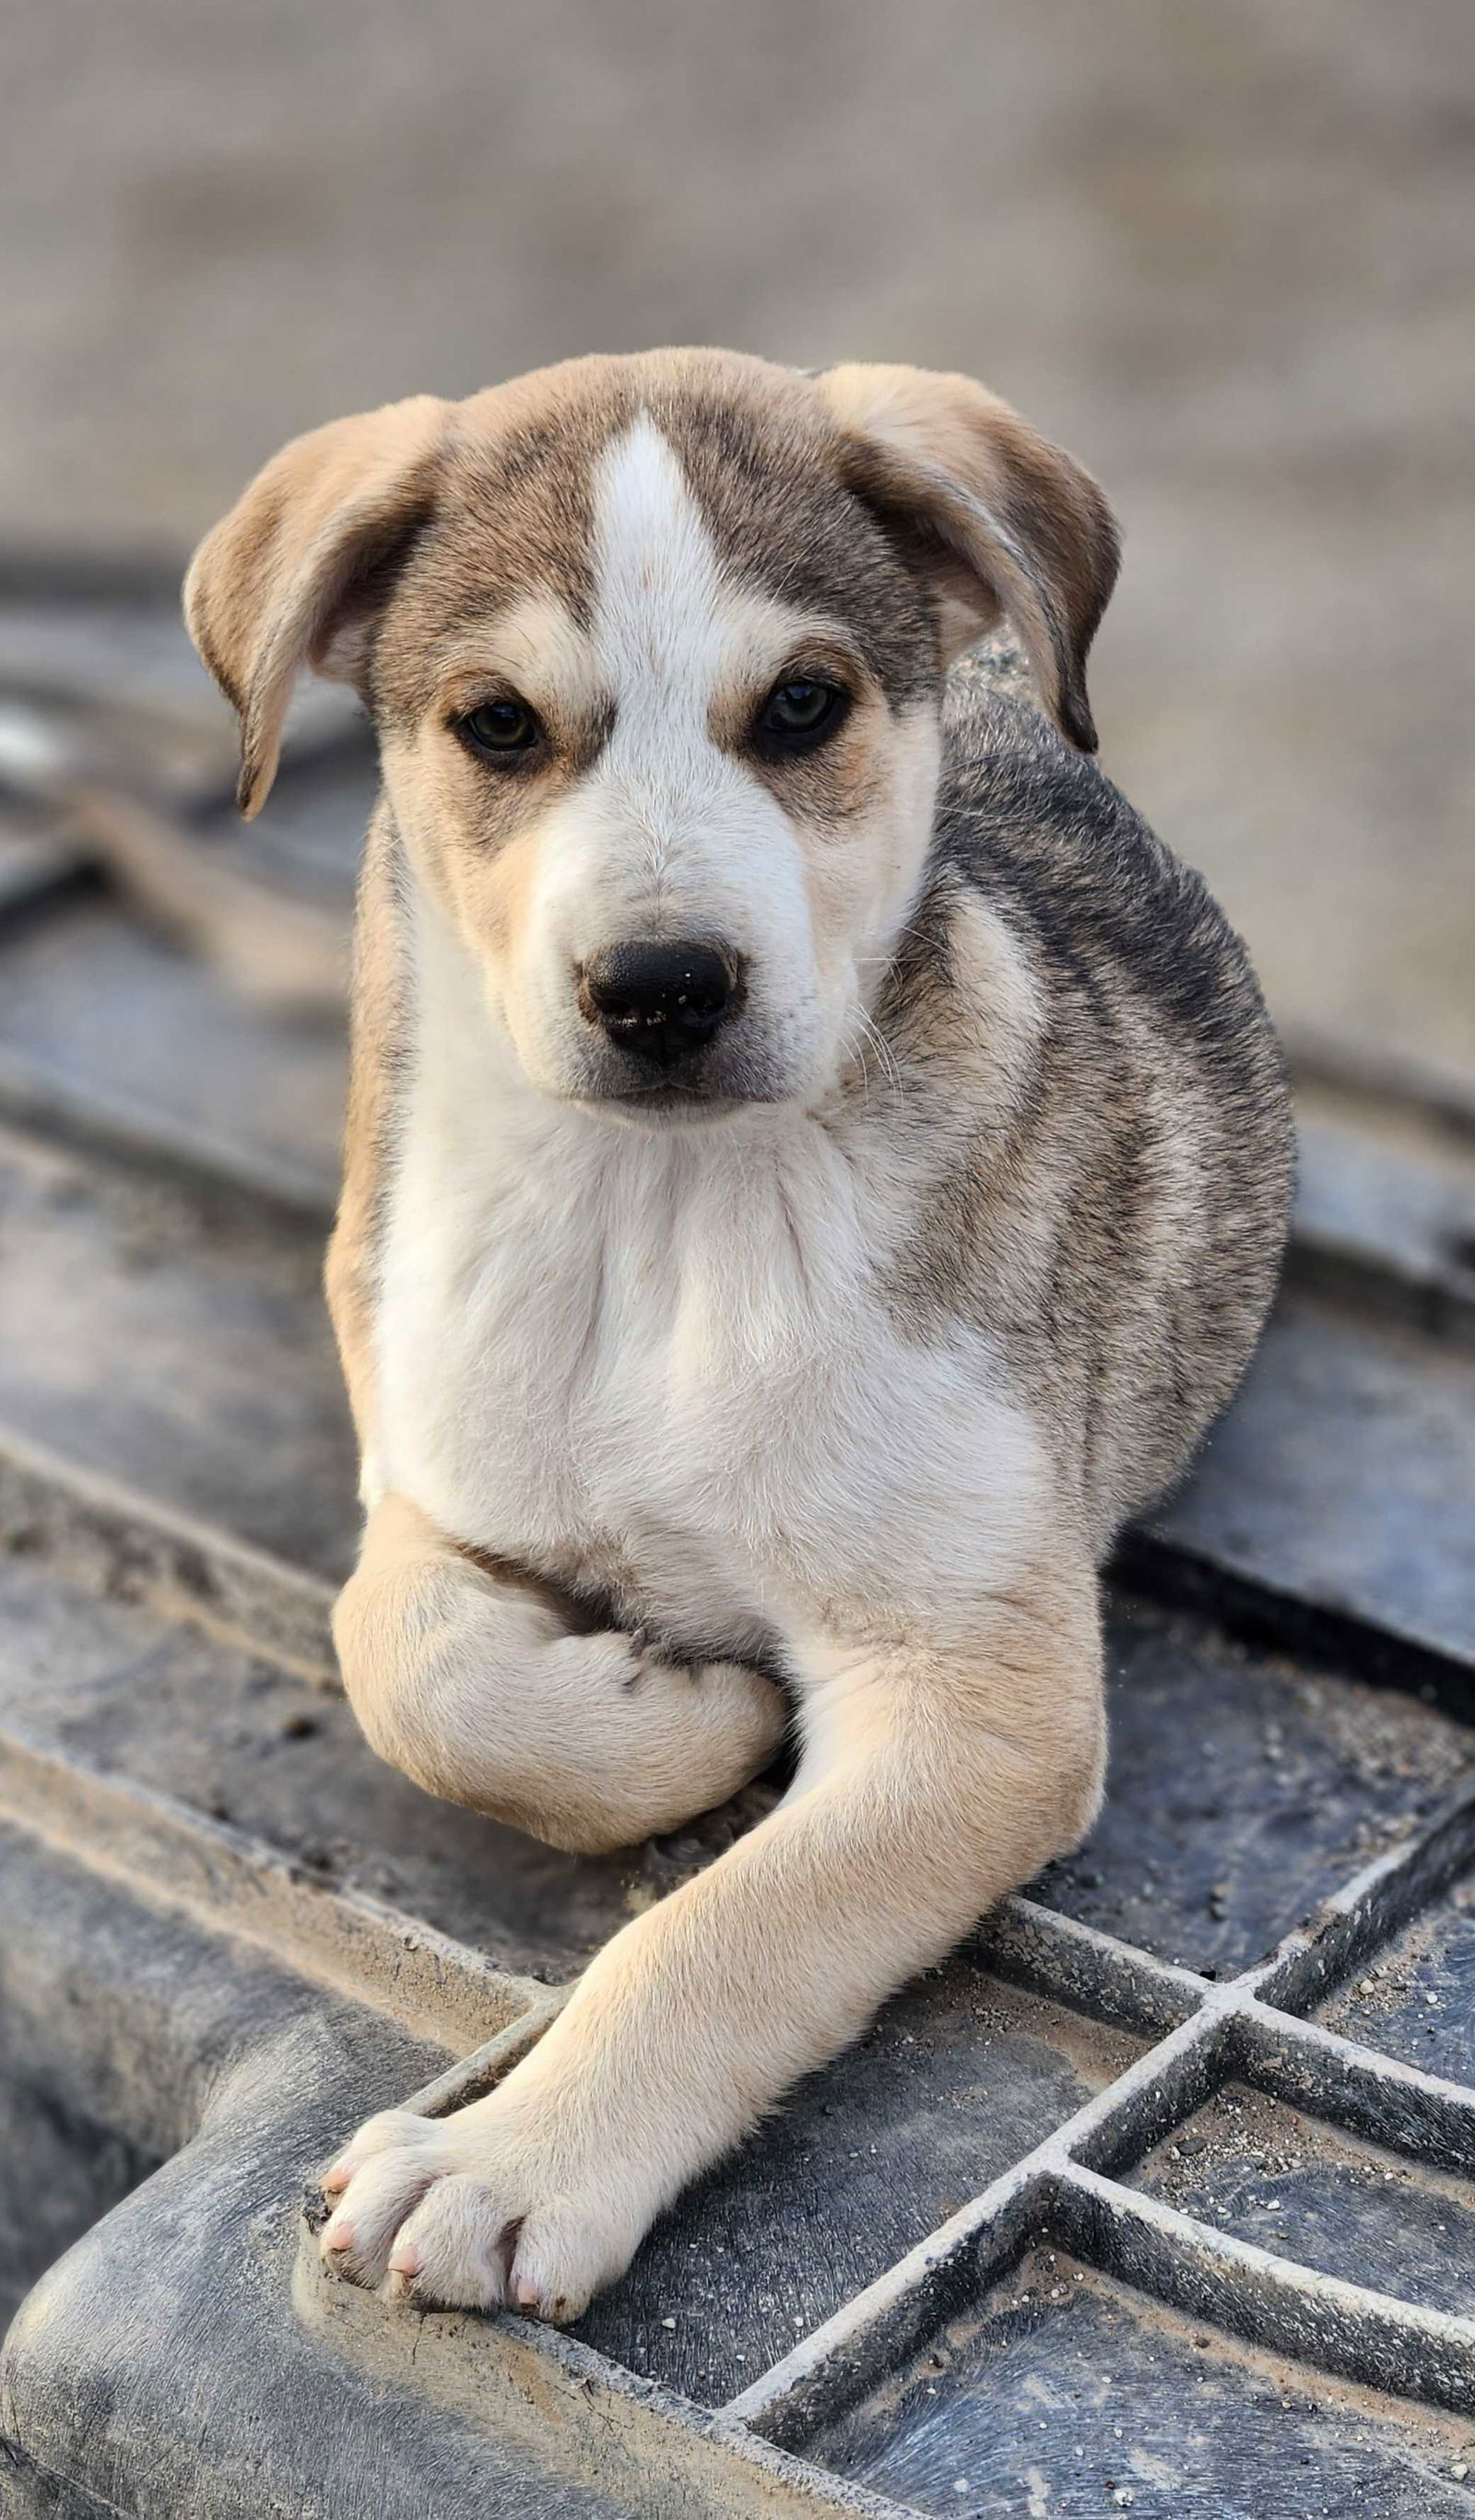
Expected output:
(1224, 253)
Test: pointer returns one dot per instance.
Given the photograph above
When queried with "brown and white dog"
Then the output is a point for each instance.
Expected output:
(814, 1164)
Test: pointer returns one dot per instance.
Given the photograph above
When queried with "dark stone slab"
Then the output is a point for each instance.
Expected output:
(1416, 1999)
(1068, 2396)
(1304, 2190)
(1242, 1789)
(105, 1030)
(64, 2171)
(176, 1344)
(158, 2369)
(119, 1686)
(1390, 1212)
(1344, 1475)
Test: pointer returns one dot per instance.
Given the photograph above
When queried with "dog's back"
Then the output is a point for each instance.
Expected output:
(1113, 1201)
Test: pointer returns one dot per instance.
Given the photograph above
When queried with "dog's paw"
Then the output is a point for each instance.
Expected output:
(473, 2213)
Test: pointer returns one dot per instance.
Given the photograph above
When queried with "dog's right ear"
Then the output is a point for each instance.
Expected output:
(301, 555)
(1002, 522)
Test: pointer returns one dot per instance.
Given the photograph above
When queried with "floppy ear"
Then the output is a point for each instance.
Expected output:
(301, 555)
(1004, 523)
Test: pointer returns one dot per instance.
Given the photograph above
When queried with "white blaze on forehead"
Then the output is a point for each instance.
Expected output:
(659, 622)
(671, 834)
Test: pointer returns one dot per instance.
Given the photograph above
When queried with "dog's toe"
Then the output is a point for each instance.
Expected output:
(455, 2250)
(374, 2185)
(466, 2246)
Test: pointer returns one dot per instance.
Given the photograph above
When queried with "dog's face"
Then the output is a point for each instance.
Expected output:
(673, 773)
(656, 649)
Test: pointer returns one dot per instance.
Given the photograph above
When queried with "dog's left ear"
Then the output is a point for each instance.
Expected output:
(303, 561)
(1002, 524)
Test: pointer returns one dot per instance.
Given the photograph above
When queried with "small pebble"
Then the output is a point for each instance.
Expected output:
(668, 2322)
(1460, 2469)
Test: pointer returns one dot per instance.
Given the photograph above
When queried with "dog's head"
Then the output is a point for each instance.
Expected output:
(656, 650)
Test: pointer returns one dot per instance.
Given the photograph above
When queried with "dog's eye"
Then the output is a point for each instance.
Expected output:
(800, 713)
(501, 726)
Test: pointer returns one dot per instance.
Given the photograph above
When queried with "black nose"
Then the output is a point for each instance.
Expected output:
(660, 1000)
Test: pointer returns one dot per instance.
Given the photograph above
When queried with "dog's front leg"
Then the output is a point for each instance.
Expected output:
(479, 1686)
(933, 1781)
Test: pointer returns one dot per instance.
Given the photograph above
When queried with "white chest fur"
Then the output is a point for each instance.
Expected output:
(665, 1353)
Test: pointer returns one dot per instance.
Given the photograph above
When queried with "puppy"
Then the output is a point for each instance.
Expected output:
(815, 1166)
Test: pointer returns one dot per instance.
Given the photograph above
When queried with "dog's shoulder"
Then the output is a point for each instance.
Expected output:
(1039, 831)
(1079, 1028)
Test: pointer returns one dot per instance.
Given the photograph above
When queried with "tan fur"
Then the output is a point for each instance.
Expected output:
(846, 1361)
(943, 1782)
(1032, 532)
(375, 1035)
(268, 589)
(579, 1739)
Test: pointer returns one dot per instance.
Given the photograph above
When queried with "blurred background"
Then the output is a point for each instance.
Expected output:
(1224, 254)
